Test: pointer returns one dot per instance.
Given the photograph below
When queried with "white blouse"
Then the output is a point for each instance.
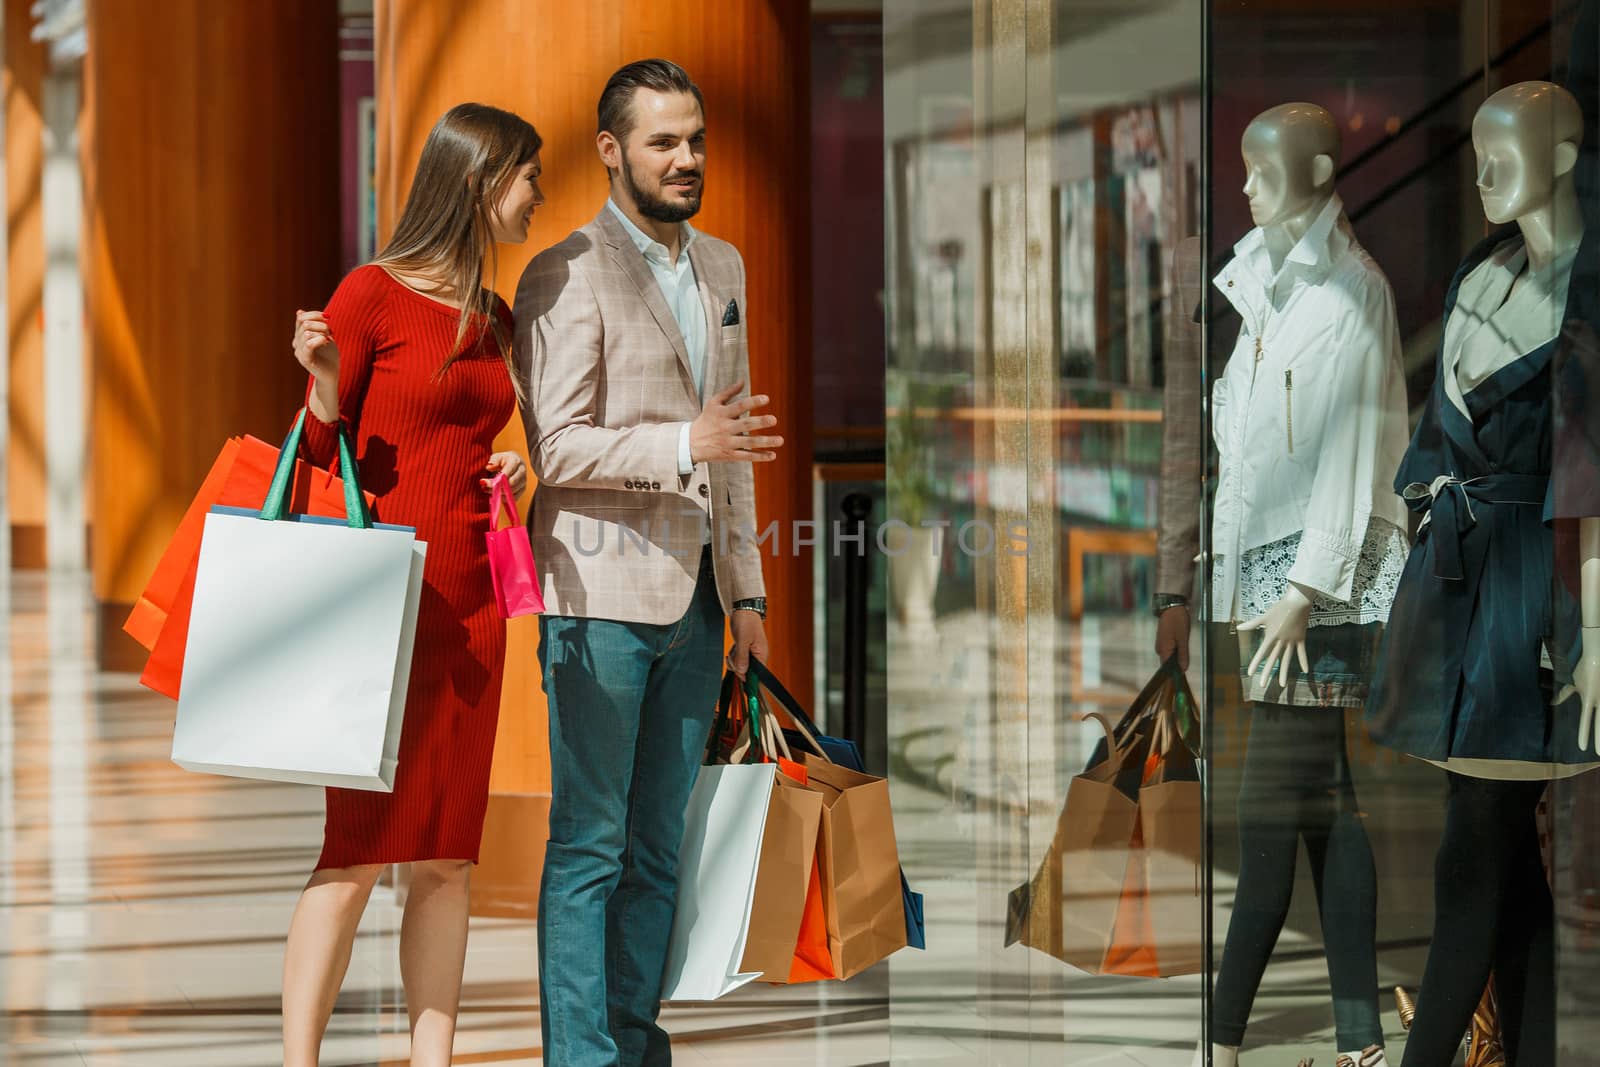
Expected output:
(1264, 574)
(1310, 415)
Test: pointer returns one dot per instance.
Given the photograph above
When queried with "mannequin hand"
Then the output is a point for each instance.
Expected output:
(1283, 628)
(1586, 679)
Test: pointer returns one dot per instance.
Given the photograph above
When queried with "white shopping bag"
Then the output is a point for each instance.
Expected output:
(299, 649)
(722, 832)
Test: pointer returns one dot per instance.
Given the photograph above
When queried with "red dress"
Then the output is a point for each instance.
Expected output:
(421, 442)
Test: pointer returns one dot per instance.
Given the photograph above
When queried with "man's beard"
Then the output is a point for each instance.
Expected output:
(653, 207)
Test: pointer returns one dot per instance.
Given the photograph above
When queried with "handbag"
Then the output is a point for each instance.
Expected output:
(788, 930)
(516, 579)
(240, 477)
(845, 753)
(300, 641)
(1118, 891)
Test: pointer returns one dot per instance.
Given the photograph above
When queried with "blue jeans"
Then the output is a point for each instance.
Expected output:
(631, 706)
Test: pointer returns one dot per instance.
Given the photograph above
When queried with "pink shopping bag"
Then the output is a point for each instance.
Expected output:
(516, 583)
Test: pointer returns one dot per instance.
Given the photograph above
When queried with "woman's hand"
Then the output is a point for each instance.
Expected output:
(1283, 630)
(316, 352)
(510, 464)
(314, 347)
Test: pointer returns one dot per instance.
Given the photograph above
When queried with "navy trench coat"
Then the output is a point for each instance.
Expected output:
(1491, 582)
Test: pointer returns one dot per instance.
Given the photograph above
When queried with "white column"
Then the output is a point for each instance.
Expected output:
(66, 436)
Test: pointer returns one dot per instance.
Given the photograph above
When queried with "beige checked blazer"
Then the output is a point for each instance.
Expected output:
(1178, 511)
(617, 533)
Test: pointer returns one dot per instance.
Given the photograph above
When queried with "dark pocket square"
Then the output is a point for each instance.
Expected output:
(730, 314)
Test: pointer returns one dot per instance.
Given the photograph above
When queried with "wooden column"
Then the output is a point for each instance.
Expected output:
(548, 63)
(212, 199)
(25, 62)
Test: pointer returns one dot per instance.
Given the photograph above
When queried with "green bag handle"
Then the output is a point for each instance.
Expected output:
(752, 696)
(277, 502)
(755, 709)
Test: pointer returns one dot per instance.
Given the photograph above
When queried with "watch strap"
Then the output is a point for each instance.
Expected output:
(1162, 601)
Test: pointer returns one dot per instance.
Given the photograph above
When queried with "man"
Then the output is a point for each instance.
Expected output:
(631, 334)
(1178, 518)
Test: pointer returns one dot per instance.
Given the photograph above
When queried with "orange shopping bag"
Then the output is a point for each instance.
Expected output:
(161, 592)
(239, 478)
(812, 961)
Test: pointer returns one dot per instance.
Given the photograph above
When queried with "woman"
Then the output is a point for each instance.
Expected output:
(414, 357)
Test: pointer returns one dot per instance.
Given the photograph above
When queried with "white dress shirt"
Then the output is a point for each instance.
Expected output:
(1310, 416)
(682, 293)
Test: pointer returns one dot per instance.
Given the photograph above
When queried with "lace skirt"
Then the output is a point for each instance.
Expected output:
(1343, 638)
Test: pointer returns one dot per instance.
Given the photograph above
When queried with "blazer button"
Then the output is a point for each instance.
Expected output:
(704, 490)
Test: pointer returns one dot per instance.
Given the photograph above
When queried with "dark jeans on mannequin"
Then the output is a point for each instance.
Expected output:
(1297, 786)
(1492, 912)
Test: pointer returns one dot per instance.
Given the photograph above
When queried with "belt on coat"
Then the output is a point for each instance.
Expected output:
(1450, 509)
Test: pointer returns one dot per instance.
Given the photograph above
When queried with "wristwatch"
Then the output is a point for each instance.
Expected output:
(1162, 601)
(757, 604)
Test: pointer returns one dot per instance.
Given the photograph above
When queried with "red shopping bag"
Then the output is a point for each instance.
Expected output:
(516, 581)
(239, 482)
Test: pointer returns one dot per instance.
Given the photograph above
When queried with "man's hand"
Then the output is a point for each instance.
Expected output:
(749, 639)
(722, 433)
(1172, 634)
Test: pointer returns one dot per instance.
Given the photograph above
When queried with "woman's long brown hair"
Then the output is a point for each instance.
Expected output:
(470, 158)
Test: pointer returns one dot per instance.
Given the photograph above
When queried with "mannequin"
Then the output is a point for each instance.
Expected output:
(1497, 680)
(1310, 421)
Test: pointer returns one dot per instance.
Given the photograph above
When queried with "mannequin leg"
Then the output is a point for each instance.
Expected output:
(1474, 868)
(1271, 798)
(1346, 879)
(1525, 957)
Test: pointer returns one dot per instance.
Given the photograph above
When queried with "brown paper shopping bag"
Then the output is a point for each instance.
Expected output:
(788, 854)
(1171, 828)
(860, 867)
(1118, 890)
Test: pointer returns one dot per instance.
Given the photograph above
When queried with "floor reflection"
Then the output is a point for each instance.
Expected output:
(142, 908)
(975, 817)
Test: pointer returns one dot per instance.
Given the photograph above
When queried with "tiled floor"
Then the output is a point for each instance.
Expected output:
(142, 908)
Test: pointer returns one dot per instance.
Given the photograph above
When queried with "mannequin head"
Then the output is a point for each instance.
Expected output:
(1526, 137)
(1290, 155)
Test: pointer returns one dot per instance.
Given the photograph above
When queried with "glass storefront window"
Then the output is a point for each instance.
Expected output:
(1043, 162)
(1063, 183)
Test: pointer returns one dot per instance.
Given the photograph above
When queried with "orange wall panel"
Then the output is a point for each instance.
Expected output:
(212, 214)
